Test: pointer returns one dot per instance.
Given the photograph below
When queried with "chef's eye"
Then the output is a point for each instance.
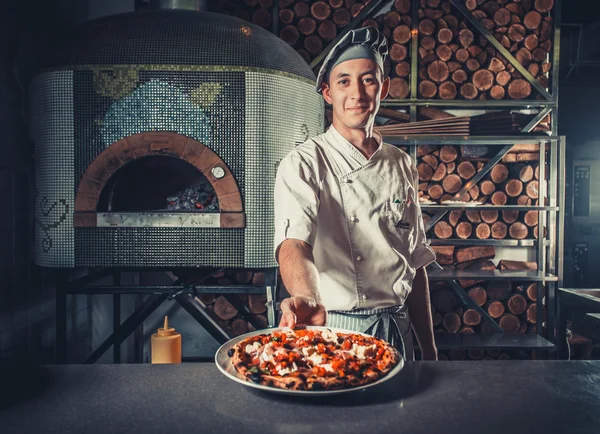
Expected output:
(369, 80)
(342, 82)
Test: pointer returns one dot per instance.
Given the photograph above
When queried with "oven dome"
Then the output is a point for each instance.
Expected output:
(178, 37)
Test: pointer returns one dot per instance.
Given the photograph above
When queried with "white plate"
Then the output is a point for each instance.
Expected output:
(224, 364)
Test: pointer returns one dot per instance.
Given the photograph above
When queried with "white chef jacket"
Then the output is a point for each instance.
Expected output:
(361, 216)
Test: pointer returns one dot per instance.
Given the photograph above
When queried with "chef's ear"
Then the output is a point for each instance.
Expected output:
(326, 91)
(385, 87)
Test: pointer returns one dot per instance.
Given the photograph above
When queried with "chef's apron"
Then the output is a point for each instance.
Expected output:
(391, 324)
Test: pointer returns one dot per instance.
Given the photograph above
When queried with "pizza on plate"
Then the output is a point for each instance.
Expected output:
(313, 359)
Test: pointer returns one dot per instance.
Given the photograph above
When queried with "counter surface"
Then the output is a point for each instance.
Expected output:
(426, 397)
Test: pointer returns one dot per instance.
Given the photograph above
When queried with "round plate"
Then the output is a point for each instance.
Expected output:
(223, 362)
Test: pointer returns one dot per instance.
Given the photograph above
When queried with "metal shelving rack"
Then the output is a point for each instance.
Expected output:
(549, 252)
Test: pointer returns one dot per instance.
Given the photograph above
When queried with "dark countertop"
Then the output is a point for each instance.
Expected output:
(426, 397)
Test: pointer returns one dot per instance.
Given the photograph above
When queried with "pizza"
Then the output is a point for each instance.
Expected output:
(313, 359)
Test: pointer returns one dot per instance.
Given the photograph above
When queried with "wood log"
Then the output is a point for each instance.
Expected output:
(425, 149)
(503, 78)
(402, 34)
(471, 4)
(466, 37)
(307, 25)
(444, 300)
(440, 172)
(502, 17)
(531, 218)
(519, 89)
(444, 254)
(452, 183)
(207, 299)
(258, 279)
(313, 44)
(454, 217)
(499, 230)
(428, 43)
(286, 16)
(438, 71)
(392, 19)
(495, 309)
(448, 154)
(544, 6)
(474, 192)
(442, 230)
(513, 187)
(464, 230)
(466, 170)
(461, 55)
(471, 317)
(431, 160)
(402, 69)
(435, 191)
(499, 173)
(399, 88)
(539, 55)
(516, 32)
(336, 3)
(523, 56)
(445, 36)
(518, 231)
(489, 216)
(478, 294)
(499, 198)
(223, 309)
(427, 89)
(402, 6)
(524, 200)
(498, 290)
(472, 65)
(506, 264)
(239, 327)
(510, 216)
(425, 171)
(510, 323)
(532, 313)
(467, 254)
(257, 303)
(531, 292)
(483, 231)
(342, 17)
(301, 9)
(532, 20)
(469, 91)
(531, 42)
(447, 90)
(450, 167)
(497, 92)
(398, 52)
(289, 34)
(487, 187)
(427, 27)
(437, 319)
(451, 322)
(327, 30)
(532, 189)
(496, 65)
(459, 76)
(526, 173)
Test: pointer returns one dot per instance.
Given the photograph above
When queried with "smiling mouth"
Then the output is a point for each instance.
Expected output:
(358, 108)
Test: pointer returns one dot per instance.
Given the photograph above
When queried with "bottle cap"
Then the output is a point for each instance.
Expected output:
(166, 330)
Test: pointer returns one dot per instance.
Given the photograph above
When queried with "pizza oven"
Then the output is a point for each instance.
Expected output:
(157, 137)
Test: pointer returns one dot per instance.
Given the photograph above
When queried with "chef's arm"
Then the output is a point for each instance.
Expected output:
(301, 279)
(419, 311)
(298, 270)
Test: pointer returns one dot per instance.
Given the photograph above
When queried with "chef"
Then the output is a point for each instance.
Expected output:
(349, 234)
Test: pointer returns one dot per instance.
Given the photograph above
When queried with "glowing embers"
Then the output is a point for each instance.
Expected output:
(158, 183)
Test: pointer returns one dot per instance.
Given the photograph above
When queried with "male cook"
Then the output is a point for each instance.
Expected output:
(349, 235)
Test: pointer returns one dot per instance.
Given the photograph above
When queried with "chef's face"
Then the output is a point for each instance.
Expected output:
(355, 90)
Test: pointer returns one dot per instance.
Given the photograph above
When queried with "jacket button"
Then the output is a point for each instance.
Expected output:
(354, 219)
(359, 258)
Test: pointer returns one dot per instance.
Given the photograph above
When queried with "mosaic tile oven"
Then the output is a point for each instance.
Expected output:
(157, 137)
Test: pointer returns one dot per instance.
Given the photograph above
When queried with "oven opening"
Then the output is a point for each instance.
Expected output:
(158, 183)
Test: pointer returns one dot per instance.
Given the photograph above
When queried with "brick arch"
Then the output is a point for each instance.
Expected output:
(150, 144)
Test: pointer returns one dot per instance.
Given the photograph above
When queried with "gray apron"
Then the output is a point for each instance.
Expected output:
(391, 324)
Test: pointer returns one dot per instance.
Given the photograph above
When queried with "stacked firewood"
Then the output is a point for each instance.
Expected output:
(443, 171)
(457, 62)
(309, 26)
(513, 306)
(235, 313)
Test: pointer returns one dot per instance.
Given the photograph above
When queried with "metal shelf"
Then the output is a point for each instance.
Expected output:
(498, 341)
(532, 276)
(489, 207)
(466, 103)
(479, 242)
(466, 140)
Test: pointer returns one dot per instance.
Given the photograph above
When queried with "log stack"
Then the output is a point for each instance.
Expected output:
(236, 314)
(456, 62)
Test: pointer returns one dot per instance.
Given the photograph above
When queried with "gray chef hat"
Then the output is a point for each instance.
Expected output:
(364, 43)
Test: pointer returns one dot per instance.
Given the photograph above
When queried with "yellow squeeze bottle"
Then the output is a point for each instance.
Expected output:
(166, 345)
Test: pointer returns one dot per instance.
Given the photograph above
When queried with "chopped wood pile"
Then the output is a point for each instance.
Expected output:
(235, 313)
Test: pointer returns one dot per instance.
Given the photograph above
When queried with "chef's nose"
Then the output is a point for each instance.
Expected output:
(357, 89)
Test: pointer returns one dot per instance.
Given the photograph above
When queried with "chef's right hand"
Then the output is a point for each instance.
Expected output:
(302, 311)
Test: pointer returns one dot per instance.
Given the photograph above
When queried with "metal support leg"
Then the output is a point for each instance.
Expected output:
(271, 288)
(191, 305)
(61, 317)
(116, 317)
(561, 330)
